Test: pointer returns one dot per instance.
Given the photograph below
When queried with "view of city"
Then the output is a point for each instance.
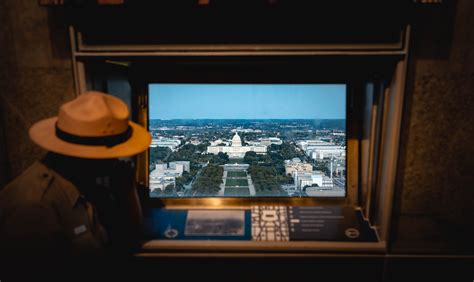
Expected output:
(242, 140)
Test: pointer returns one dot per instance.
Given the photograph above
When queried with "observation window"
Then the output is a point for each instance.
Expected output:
(247, 140)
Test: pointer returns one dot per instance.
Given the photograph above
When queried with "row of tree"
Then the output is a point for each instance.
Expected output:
(268, 171)
(275, 157)
(169, 191)
(208, 181)
(265, 181)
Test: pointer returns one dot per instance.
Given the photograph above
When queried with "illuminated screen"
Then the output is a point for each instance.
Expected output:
(247, 140)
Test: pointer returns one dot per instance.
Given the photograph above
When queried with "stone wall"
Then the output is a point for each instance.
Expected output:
(434, 208)
(35, 78)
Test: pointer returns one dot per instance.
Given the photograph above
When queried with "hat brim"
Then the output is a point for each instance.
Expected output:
(43, 133)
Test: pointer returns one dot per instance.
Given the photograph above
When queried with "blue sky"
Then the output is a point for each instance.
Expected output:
(247, 101)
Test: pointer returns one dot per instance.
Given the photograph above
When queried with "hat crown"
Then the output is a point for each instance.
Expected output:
(93, 114)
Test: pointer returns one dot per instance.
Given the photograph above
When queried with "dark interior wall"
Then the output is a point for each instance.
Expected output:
(434, 208)
(35, 78)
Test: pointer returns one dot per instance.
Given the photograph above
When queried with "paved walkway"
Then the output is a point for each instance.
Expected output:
(251, 187)
(222, 186)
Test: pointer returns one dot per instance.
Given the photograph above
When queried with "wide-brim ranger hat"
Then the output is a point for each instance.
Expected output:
(94, 125)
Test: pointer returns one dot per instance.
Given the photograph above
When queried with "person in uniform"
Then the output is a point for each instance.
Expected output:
(80, 198)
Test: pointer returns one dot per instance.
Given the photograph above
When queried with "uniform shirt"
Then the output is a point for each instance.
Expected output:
(42, 211)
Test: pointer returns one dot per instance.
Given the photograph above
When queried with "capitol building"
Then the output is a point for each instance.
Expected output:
(235, 149)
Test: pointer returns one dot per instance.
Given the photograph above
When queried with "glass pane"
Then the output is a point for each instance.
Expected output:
(247, 140)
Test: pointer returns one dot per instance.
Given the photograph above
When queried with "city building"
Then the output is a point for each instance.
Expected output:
(295, 165)
(180, 166)
(171, 143)
(305, 143)
(319, 153)
(195, 141)
(327, 182)
(270, 140)
(246, 130)
(220, 142)
(165, 174)
(303, 179)
(160, 182)
(319, 149)
(339, 133)
(236, 150)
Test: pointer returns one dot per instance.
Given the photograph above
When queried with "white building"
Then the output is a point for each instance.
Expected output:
(160, 182)
(246, 130)
(303, 179)
(236, 150)
(172, 168)
(165, 174)
(295, 165)
(219, 142)
(180, 166)
(305, 143)
(195, 141)
(338, 134)
(318, 149)
(326, 152)
(173, 144)
(270, 140)
(327, 182)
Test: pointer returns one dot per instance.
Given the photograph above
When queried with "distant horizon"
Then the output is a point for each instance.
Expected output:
(168, 101)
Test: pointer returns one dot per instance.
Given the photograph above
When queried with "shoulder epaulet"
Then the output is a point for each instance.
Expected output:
(30, 186)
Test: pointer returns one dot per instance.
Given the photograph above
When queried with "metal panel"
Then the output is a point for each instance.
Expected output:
(389, 150)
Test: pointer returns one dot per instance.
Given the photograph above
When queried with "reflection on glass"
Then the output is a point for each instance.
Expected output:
(247, 140)
(215, 223)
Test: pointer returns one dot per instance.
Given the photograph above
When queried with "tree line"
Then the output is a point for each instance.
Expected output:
(208, 181)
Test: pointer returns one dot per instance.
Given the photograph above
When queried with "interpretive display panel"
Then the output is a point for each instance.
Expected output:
(261, 223)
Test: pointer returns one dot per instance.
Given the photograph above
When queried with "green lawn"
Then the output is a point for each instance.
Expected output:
(236, 182)
(236, 192)
(236, 174)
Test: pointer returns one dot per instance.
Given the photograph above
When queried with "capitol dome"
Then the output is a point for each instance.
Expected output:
(236, 141)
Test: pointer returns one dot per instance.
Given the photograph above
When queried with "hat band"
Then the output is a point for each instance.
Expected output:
(109, 140)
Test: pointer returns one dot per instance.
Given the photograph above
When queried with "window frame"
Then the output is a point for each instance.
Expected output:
(143, 81)
(394, 65)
